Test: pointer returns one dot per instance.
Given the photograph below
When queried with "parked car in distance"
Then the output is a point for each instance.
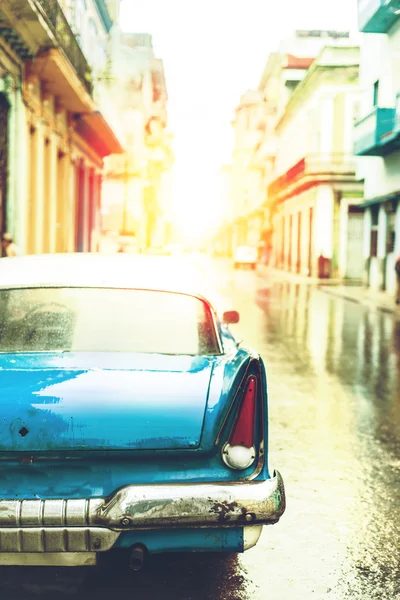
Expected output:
(132, 421)
(128, 244)
(245, 256)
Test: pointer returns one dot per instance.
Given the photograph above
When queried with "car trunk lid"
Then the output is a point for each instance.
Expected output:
(102, 402)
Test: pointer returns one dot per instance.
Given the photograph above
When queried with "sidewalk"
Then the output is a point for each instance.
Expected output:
(264, 271)
(361, 295)
(348, 290)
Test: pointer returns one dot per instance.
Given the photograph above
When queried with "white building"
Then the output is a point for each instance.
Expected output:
(315, 195)
(377, 139)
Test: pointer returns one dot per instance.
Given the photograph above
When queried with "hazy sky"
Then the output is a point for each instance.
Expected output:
(213, 51)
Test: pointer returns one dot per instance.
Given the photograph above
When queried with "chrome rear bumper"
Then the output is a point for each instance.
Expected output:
(94, 525)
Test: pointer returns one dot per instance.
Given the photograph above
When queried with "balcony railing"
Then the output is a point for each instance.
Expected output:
(316, 165)
(53, 12)
(396, 127)
(374, 134)
(377, 16)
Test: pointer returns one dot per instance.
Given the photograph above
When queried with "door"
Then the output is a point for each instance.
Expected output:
(4, 114)
(355, 233)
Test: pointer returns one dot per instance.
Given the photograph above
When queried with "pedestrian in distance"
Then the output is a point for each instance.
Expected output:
(397, 269)
(8, 245)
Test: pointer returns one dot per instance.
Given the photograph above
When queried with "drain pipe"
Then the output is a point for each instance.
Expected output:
(136, 558)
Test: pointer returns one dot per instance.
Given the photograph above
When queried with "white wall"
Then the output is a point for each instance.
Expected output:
(352, 114)
(374, 61)
(380, 60)
(397, 244)
(381, 233)
(309, 130)
(343, 229)
(323, 223)
(381, 175)
(367, 233)
(393, 65)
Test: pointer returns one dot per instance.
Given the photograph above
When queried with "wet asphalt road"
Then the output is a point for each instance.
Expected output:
(334, 387)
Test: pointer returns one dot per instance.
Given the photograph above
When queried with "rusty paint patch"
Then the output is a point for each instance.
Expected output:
(225, 510)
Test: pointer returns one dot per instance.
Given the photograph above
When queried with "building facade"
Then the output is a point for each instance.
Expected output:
(247, 192)
(13, 133)
(259, 125)
(315, 194)
(377, 140)
(283, 73)
(56, 136)
(136, 200)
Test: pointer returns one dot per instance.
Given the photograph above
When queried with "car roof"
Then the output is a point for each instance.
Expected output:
(162, 273)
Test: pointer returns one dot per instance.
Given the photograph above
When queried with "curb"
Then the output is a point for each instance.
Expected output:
(329, 286)
(296, 278)
(366, 302)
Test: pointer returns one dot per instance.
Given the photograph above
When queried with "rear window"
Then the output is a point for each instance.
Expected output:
(105, 320)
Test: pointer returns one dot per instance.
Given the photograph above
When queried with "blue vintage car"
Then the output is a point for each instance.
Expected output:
(129, 416)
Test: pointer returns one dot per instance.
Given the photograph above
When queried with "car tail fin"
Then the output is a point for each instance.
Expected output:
(239, 452)
(243, 431)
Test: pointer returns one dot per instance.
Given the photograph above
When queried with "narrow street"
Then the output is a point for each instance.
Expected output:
(334, 378)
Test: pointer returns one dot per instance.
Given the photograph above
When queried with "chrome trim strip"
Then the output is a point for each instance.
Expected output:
(231, 504)
(94, 525)
(56, 539)
(47, 513)
(48, 559)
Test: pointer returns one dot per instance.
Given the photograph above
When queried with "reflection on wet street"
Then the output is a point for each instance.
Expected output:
(334, 390)
(334, 386)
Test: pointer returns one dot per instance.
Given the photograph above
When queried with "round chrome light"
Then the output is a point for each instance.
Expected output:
(238, 457)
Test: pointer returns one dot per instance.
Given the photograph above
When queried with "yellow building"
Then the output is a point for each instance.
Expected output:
(278, 126)
(62, 139)
(314, 193)
(134, 199)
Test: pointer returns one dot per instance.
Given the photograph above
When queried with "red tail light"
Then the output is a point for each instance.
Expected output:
(239, 452)
(243, 431)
